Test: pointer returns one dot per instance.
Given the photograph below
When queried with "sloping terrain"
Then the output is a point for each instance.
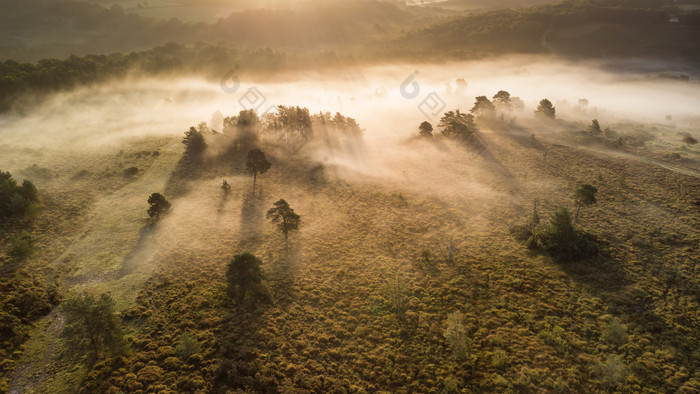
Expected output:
(357, 308)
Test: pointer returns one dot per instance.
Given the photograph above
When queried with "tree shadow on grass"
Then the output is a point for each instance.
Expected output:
(251, 215)
(144, 249)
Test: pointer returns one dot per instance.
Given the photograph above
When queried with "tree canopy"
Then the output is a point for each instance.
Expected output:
(256, 164)
(194, 142)
(158, 205)
(16, 200)
(425, 129)
(285, 218)
(245, 275)
(91, 324)
(585, 195)
(546, 110)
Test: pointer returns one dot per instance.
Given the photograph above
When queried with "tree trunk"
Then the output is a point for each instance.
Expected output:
(578, 208)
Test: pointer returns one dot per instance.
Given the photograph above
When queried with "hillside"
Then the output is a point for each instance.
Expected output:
(626, 319)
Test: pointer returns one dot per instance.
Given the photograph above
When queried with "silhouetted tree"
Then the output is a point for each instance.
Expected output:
(455, 124)
(483, 108)
(545, 109)
(194, 142)
(461, 127)
(594, 127)
(158, 205)
(285, 217)
(502, 100)
(16, 200)
(225, 188)
(257, 164)
(585, 195)
(461, 85)
(560, 239)
(244, 275)
(426, 129)
(293, 124)
(91, 324)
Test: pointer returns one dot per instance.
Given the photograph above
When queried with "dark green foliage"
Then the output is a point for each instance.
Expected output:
(425, 129)
(545, 110)
(158, 206)
(245, 275)
(21, 245)
(187, 346)
(16, 200)
(194, 143)
(91, 324)
(585, 195)
(561, 239)
(29, 191)
(256, 164)
(285, 217)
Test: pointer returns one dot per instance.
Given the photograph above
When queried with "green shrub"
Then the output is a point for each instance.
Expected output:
(21, 245)
(562, 240)
(187, 346)
(614, 333)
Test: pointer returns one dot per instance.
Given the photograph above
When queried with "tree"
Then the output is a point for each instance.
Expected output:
(244, 274)
(461, 85)
(502, 100)
(483, 108)
(226, 188)
(257, 164)
(16, 200)
(560, 239)
(546, 110)
(426, 129)
(594, 127)
(194, 142)
(158, 205)
(293, 125)
(285, 217)
(585, 195)
(457, 125)
(461, 127)
(91, 324)
(456, 335)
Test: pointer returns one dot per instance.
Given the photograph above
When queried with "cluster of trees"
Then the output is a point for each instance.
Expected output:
(458, 126)
(16, 199)
(50, 75)
(560, 238)
(292, 127)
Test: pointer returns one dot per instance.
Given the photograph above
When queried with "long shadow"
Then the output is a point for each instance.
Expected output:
(187, 169)
(145, 246)
(251, 215)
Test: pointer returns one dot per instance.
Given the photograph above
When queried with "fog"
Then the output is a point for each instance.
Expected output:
(103, 115)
